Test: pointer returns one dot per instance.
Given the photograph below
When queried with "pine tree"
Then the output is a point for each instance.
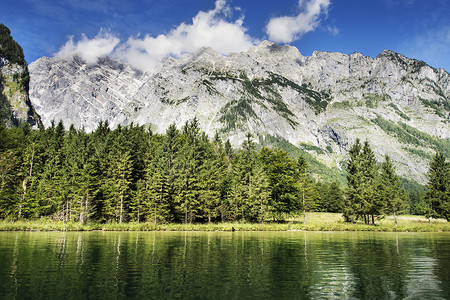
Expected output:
(354, 178)
(160, 185)
(372, 207)
(438, 188)
(242, 188)
(362, 179)
(161, 176)
(390, 192)
(74, 160)
(9, 48)
(223, 157)
(308, 194)
(122, 176)
(281, 172)
(32, 165)
(8, 163)
(118, 175)
(210, 176)
(138, 201)
(188, 166)
(261, 201)
(331, 197)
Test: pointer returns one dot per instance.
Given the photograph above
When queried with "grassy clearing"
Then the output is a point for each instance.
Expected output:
(314, 222)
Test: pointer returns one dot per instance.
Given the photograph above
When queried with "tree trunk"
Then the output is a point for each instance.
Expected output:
(395, 218)
(31, 163)
(81, 212)
(67, 211)
(86, 210)
(261, 212)
(304, 208)
(24, 188)
(209, 215)
(121, 209)
(138, 215)
(155, 213)
(373, 220)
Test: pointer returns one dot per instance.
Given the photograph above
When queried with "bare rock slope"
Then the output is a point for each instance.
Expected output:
(320, 103)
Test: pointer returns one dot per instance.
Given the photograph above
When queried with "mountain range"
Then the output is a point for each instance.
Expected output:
(319, 104)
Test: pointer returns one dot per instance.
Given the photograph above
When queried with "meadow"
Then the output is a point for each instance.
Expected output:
(315, 221)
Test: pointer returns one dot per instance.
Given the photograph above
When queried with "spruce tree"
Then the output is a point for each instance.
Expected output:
(308, 194)
(331, 197)
(354, 178)
(390, 192)
(211, 174)
(189, 166)
(372, 206)
(438, 188)
(361, 202)
(281, 172)
(160, 175)
(242, 188)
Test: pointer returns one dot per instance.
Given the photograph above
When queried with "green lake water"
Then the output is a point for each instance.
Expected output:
(224, 265)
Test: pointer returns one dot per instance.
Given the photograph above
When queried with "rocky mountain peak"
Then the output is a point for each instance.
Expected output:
(319, 104)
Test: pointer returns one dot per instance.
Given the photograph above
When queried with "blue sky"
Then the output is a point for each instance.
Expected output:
(143, 31)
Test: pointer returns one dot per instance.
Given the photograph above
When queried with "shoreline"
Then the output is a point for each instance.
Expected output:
(317, 222)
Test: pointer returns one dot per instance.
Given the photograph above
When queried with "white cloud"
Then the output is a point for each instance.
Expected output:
(290, 28)
(89, 49)
(208, 29)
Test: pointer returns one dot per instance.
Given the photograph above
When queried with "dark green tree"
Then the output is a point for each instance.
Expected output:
(390, 191)
(161, 175)
(308, 194)
(281, 172)
(211, 175)
(438, 188)
(361, 202)
(372, 206)
(189, 165)
(9, 48)
(331, 197)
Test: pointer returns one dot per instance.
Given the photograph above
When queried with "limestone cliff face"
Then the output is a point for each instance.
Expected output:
(320, 103)
(15, 105)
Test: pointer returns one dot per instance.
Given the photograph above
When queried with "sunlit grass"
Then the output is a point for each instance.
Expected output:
(314, 222)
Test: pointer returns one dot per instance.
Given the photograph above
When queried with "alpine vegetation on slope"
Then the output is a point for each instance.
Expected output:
(15, 105)
(320, 103)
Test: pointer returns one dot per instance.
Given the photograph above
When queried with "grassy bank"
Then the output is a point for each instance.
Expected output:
(314, 222)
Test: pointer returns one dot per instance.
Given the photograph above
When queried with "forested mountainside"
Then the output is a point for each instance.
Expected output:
(15, 105)
(318, 104)
(136, 146)
(133, 174)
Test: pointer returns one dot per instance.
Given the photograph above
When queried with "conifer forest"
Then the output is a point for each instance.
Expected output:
(132, 174)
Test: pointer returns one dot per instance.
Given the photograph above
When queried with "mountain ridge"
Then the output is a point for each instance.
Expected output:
(319, 103)
(15, 105)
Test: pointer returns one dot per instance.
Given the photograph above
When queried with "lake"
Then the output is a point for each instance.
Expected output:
(224, 265)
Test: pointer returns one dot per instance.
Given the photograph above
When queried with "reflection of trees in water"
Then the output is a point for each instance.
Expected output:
(189, 265)
(379, 265)
(441, 253)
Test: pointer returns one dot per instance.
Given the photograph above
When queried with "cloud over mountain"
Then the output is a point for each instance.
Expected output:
(287, 29)
(215, 28)
(89, 49)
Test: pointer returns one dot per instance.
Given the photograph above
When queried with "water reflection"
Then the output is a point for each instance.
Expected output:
(186, 265)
